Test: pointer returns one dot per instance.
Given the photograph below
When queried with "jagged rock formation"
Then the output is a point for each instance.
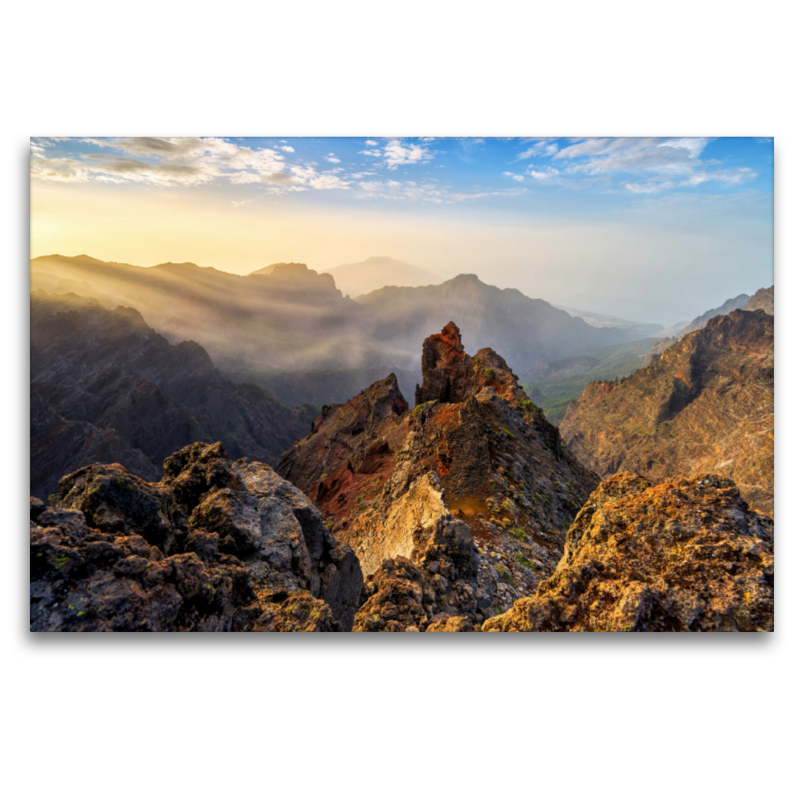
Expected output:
(763, 299)
(105, 387)
(704, 406)
(686, 555)
(214, 546)
(388, 478)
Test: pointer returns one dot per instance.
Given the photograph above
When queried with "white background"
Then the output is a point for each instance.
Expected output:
(605, 716)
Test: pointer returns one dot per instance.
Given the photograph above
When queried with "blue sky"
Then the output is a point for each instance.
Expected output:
(636, 226)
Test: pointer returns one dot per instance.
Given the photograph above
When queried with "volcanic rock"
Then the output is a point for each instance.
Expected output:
(685, 555)
(483, 467)
(704, 406)
(215, 546)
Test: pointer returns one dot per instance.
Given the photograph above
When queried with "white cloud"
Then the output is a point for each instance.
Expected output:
(543, 174)
(541, 148)
(514, 176)
(332, 158)
(396, 154)
(286, 148)
(188, 161)
(370, 143)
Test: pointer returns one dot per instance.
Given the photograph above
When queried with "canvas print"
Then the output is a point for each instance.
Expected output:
(404, 384)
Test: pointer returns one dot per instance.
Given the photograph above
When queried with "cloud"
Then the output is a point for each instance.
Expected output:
(514, 176)
(543, 174)
(541, 148)
(188, 161)
(427, 192)
(332, 158)
(634, 154)
(371, 143)
(396, 154)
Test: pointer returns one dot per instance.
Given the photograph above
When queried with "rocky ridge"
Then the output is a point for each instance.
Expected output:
(477, 462)
(705, 405)
(216, 546)
(685, 555)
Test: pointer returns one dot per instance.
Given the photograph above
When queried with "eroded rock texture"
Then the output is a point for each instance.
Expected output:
(217, 545)
(484, 459)
(706, 405)
(685, 555)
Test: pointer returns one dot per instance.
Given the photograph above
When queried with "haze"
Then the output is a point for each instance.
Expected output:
(656, 230)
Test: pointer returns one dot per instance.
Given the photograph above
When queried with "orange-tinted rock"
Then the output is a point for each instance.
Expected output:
(686, 555)
(705, 405)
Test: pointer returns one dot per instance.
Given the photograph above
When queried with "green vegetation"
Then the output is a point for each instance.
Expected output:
(505, 576)
(524, 561)
(520, 534)
(526, 405)
(508, 433)
(418, 409)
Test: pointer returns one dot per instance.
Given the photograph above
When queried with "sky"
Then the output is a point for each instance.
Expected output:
(645, 228)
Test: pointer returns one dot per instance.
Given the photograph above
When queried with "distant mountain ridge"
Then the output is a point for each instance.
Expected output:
(287, 318)
(106, 386)
(379, 271)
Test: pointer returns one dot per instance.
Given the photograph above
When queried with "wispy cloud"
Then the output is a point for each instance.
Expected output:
(186, 161)
(543, 147)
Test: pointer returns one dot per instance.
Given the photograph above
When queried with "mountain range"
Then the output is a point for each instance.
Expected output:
(286, 318)
(379, 271)
(106, 387)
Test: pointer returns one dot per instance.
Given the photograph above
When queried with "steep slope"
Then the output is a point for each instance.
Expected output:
(106, 387)
(704, 406)
(763, 299)
(686, 555)
(377, 272)
(215, 546)
(474, 463)
(740, 301)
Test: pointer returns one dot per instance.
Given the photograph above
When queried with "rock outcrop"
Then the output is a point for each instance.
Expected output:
(704, 406)
(686, 555)
(217, 545)
(483, 461)
(763, 299)
(105, 387)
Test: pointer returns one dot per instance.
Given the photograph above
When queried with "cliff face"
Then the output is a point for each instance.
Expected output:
(686, 555)
(476, 463)
(705, 405)
(215, 546)
(106, 387)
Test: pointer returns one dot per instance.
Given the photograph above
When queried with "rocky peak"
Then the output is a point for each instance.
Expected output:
(479, 466)
(445, 368)
(450, 375)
